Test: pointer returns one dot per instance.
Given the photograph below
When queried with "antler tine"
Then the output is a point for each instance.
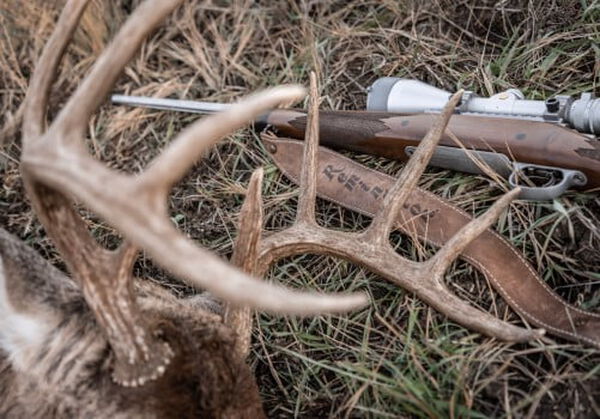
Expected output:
(441, 298)
(308, 176)
(172, 164)
(245, 256)
(126, 255)
(251, 220)
(382, 223)
(91, 93)
(39, 87)
(454, 247)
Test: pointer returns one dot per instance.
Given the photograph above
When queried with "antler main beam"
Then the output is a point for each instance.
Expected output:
(371, 248)
(57, 169)
(124, 200)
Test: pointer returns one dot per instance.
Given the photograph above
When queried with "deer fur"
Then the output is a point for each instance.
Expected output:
(56, 362)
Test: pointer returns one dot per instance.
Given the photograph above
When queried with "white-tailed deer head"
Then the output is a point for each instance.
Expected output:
(100, 343)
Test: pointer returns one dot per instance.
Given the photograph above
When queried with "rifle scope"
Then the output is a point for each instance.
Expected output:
(393, 94)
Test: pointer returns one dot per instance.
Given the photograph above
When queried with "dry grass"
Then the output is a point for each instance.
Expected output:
(398, 357)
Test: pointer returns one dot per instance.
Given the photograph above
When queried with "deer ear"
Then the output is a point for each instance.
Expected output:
(26, 316)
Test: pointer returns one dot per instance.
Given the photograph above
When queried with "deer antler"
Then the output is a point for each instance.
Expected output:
(57, 169)
(371, 248)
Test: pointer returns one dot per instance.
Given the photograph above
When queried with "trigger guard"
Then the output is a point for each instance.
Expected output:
(570, 178)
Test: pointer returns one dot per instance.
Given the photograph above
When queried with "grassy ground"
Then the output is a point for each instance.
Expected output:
(398, 357)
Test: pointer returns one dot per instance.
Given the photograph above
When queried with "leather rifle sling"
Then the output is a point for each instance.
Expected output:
(434, 220)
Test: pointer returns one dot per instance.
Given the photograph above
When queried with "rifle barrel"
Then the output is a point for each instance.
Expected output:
(190, 106)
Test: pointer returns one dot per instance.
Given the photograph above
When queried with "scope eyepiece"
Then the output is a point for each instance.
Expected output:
(584, 114)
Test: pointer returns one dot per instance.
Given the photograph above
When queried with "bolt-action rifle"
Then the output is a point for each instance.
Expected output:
(524, 141)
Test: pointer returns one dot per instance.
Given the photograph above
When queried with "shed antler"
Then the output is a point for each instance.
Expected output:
(371, 247)
(57, 169)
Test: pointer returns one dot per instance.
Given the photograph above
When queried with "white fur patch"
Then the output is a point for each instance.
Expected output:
(20, 333)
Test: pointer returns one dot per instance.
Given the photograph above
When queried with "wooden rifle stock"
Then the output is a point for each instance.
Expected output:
(388, 135)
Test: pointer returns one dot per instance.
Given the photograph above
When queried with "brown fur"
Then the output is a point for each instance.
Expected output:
(68, 374)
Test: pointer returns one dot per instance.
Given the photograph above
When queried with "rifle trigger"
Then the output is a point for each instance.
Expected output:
(542, 183)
